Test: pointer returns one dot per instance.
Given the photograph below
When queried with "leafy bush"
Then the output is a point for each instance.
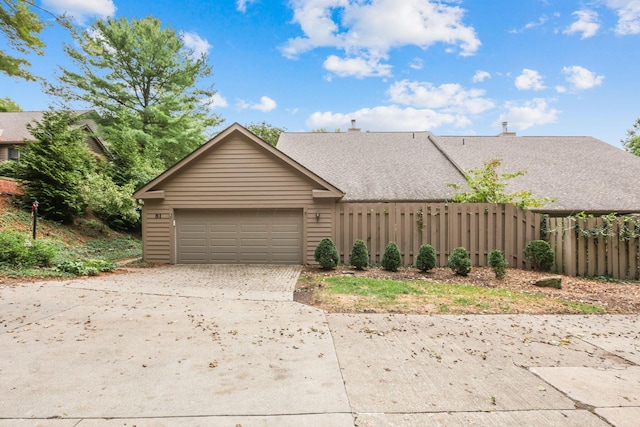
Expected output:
(359, 255)
(497, 263)
(8, 169)
(326, 254)
(90, 267)
(426, 259)
(460, 262)
(540, 255)
(111, 203)
(391, 257)
(17, 250)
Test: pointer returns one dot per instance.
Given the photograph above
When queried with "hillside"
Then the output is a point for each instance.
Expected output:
(86, 242)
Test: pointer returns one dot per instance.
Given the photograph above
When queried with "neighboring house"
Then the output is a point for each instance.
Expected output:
(14, 132)
(236, 199)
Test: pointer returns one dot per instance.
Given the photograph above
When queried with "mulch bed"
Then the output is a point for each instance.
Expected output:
(617, 297)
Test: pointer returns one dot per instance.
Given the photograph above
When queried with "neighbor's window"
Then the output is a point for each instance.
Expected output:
(14, 154)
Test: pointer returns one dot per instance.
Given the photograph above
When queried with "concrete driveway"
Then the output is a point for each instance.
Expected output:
(227, 346)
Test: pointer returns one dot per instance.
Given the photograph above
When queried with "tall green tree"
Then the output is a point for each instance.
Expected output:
(19, 28)
(632, 142)
(55, 166)
(486, 185)
(8, 105)
(144, 83)
(267, 132)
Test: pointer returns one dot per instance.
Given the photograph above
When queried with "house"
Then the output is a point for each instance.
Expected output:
(14, 132)
(236, 199)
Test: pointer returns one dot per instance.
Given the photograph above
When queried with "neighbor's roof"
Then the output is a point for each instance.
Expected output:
(376, 166)
(14, 124)
(580, 173)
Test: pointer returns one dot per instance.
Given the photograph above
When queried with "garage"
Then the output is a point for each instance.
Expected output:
(245, 236)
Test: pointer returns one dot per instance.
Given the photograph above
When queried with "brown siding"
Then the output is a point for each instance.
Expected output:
(234, 174)
(4, 154)
(157, 221)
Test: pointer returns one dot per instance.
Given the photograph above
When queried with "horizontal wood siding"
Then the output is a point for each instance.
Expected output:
(479, 228)
(238, 174)
(157, 221)
(235, 174)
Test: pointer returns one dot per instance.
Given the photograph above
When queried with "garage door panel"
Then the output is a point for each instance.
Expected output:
(241, 236)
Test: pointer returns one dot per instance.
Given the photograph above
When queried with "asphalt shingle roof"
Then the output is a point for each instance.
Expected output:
(375, 166)
(581, 173)
(14, 125)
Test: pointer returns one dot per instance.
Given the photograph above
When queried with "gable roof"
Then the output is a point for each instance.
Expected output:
(15, 131)
(149, 190)
(580, 173)
(376, 166)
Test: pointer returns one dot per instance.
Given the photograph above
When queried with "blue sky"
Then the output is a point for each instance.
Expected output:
(548, 67)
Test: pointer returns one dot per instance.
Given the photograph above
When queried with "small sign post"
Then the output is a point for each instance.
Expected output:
(34, 214)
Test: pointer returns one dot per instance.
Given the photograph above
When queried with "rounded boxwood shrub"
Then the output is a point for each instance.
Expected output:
(391, 257)
(460, 262)
(326, 254)
(426, 259)
(497, 263)
(540, 255)
(359, 255)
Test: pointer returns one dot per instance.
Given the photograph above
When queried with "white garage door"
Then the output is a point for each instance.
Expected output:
(269, 236)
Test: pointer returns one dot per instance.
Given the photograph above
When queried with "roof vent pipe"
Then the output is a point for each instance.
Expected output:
(353, 127)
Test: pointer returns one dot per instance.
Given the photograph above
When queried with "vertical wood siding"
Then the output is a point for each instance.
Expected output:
(4, 154)
(596, 246)
(479, 228)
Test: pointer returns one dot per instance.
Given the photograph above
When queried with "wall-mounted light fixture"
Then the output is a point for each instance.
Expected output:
(317, 215)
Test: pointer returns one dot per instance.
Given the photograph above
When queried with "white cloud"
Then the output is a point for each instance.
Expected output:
(356, 67)
(587, 24)
(242, 5)
(218, 101)
(480, 76)
(265, 105)
(541, 21)
(387, 118)
(530, 113)
(529, 80)
(416, 64)
(369, 30)
(580, 78)
(81, 10)
(450, 98)
(197, 44)
(628, 15)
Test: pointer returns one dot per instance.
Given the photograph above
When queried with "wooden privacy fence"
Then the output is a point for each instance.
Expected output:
(606, 246)
(478, 227)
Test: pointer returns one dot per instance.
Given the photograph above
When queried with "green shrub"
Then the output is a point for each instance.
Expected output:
(359, 255)
(326, 254)
(90, 267)
(497, 263)
(391, 257)
(426, 259)
(8, 169)
(460, 262)
(18, 250)
(539, 255)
